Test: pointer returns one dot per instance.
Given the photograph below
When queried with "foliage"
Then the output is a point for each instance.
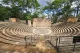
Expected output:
(28, 18)
(4, 13)
(61, 8)
(38, 13)
(16, 8)
(15, 12)
(54, 19)
(35, 15)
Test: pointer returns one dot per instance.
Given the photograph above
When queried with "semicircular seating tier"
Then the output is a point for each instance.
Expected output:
(12, 34)
(66, 29)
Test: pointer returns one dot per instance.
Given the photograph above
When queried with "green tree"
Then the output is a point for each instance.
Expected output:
(15, 12)
(4, 12)
(60, 8)
(53, 7)
(19, 6)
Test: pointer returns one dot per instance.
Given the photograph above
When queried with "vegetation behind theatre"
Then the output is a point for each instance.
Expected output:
(57, 10)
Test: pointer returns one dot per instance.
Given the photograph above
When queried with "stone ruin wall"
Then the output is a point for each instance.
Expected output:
(39, 22)
(12, 19)
(72, 19)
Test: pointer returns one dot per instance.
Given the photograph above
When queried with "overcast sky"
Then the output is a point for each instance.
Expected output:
(43, 2)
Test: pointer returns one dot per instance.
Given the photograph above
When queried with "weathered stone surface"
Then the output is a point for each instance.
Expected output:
(12, 19)
(38, 22)
(29, 22)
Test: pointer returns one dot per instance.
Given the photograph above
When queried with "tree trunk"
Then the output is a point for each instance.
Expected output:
(77, 11)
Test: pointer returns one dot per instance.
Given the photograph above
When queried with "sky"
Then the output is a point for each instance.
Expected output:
(43, 2)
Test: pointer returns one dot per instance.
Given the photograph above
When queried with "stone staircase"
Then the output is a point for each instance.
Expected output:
(66, 45)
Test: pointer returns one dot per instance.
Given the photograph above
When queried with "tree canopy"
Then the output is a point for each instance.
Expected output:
(18, 8)
(28, 9)
(63, 8)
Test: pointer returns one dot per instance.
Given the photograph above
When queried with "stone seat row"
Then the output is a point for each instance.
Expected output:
(73, 29)
(13, 33)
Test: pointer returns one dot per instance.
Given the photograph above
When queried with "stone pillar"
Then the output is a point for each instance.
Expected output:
(34, 22)
(29, 22)
(12, 19)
